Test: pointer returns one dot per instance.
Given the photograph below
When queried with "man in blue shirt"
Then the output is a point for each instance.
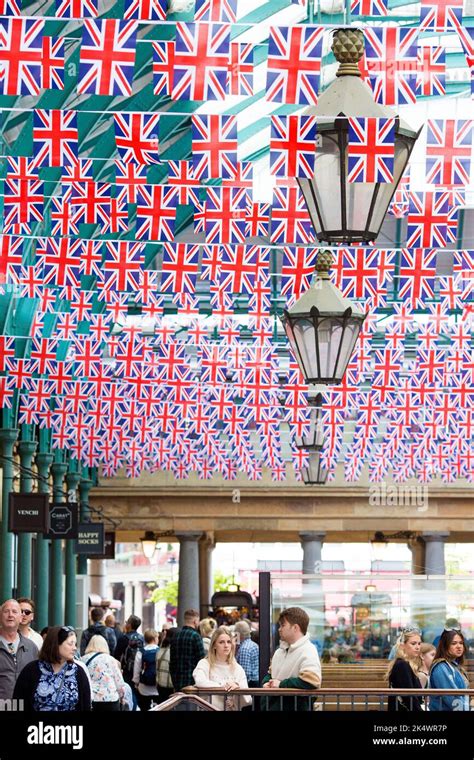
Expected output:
(247, 655)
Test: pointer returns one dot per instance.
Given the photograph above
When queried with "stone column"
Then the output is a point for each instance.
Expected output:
(26, 449)
(58, 470)
(312, 591)
(138, 599)
(206, 581)
(188, 584)
(128, 600)
(98, 577)
(435, 587)
(43, 462)
(417, 613)
(8, 437)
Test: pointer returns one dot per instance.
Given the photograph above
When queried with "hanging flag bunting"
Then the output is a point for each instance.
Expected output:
(214, 146)
(55, 138)
(294, 64)
(21, 53)
(371, 150)
(179, 267)
(293, 146)
(441, 15)
(163, 67)
(225, 215)
(76, 9)
(52, 64)
(136, 137)
(290, 220)
(427, 219)
(448, 151)
(201, 61)
(240, 69)
(216, 10)
(368, 8)
(156, 212)
(107, 57)
(431, 71)
(146, 10)
(391, 57)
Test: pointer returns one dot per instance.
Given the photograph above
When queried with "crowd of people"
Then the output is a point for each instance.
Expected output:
(126, 670)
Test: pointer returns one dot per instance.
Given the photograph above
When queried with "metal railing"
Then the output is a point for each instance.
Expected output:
(335, 699)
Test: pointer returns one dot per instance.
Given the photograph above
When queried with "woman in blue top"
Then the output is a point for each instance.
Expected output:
(447, 671)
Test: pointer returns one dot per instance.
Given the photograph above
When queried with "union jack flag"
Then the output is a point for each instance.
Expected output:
(123, 263)
(52, 65)
(427, 219)
(431, 71)
(146, 10)
(181, 176)
(257, 219)
(129, 177)
(88, 199)
(240, 74)
(201, 61)
(364, 273)
(91, 258)
(10, 8)
(114, 214)
(441, 15)
(156, 212)
(61, 261)
(179, 267)
(63, 220)
(225, 215)
(240, 266)
(76, 8)
(23, 201)
(294, 64)
(107, 57)
(293, 146)
(297, 270)
(448, 151)
(216, 10)
(391, 57)
(11, 257)
(163, 67)
(466, 35)
(136, 137)
(416, 276)
(21, 53)
(290, 220)
(55, 138)
(371, 149)
(214, 146)
(369, 8)
(80, 171)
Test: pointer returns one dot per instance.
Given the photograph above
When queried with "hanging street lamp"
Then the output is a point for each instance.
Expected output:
(149, 543)
(314, 439)
(344, 212)
(322, 328)
(314, 474)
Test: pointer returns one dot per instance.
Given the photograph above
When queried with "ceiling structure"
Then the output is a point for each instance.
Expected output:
(139, 318)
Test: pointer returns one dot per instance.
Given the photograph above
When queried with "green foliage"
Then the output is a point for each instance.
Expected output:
(168, 593)
(222, 582)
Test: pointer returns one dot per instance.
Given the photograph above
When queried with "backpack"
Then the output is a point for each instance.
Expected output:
(135, 643)
(148, 674)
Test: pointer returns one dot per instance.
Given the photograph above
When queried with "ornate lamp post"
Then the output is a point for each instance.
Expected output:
(314, 439)
(315, 474)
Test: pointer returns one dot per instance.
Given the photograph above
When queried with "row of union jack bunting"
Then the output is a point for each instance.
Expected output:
(202, 63)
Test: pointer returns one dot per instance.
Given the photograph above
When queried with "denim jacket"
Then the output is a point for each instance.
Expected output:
(447, 675)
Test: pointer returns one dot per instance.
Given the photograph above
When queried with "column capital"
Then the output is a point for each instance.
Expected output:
(8, 435)
(26, 448)
(208, 540)
(73, 479)
(434, 536)
(311, 535)
(43, 459)
(188, 535)
(59, 468)
(85, 484)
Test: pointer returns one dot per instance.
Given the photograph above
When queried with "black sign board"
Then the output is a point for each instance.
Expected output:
(90, 539)
(28, 512)
(63, 519)
(109, 551)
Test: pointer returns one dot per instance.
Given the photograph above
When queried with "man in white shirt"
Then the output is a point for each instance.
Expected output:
(27, 609)
(16, 651)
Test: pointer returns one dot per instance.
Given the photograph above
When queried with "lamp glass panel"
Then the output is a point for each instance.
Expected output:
(386, 190)
(306, 355)
(351, 332)
(326, 186)
(329, 338)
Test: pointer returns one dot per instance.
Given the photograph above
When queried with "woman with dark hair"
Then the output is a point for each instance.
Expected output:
(55, 682)
(447, 671)
(403, 670)
(163, 678)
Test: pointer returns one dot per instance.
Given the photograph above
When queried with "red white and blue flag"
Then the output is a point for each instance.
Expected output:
(427, 219)
(76, 9)
(293, 146)
(123, 263)
(23, 201)
(257, 220)
(371, 149)
(290, 220)
(391, 57)
(156, 212)
(201, 61)
(294, 64)
(63, 220)
(181, 176)
(368, 8)
(129, 177)
(107, 57)
(61, 261)
(179, 268)
(431, 71)
(214, 146)
(136, 137)
(21, 54)
(146, 10)
(10, 8)
(297, 270)
(163, 67)
(55, 138)
(224, 11)
(417, 276)
(441, 15)
(52, 64)
(448, 151)
(240, 73)
(240, 266)
(225, 214)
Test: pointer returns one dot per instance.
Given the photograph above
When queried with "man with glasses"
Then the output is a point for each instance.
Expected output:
(16, 651)
(27, 609)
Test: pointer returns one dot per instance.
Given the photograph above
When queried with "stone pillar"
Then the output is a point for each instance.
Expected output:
(73, 478)
(435, 587)
(417, 613)
(26, 449)
(43, 462)
(138, 599)
(58, 470)
(8, 437)
(188, 584)
(128, 600)
(312, 590)
(206, 581)
(98, 577)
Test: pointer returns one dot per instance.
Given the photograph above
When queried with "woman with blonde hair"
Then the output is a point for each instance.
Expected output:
(106, 678)
(207, 626)
(427, 653)
(402, 671)
(221, 670)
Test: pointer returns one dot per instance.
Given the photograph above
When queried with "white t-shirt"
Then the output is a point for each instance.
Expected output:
(35, 638)
(220, 673)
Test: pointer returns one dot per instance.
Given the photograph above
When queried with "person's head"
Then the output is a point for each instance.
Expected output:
(110, 621)
(59, 645)
(427, 653)
(409, 643)
(10, 616)
(191, 618)
(150, 636)
(242, 630)
(27, 609)
(168, 637)
(206, 627)
(451, 645)
(97, 613)
(97, 643)
(133, 623)
(292, 624)
(222, 646)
